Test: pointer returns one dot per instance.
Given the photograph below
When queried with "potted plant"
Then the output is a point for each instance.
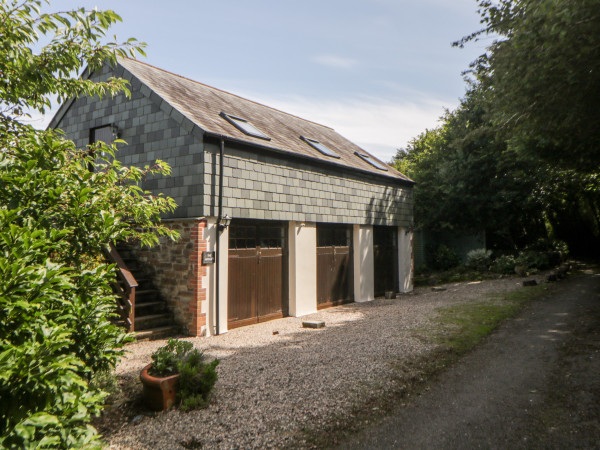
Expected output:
(178, 375)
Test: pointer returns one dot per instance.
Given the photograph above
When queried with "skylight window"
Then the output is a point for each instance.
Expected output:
(320, 147)
(370, 160)
(245, 126)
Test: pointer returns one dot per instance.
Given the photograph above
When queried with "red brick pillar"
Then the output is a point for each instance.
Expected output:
(197, 316)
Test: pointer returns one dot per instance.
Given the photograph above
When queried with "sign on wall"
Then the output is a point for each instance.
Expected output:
(208, 257)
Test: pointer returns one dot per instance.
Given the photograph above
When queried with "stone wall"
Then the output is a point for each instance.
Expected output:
(177, 272)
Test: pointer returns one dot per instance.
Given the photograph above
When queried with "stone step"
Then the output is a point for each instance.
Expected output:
(149, 321)
(156, 305)
(156, 333)
(146, 295)
(146, 291)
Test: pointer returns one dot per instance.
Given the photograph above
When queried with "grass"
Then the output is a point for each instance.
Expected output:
(455, 331)
(460, 328)
(455, 275)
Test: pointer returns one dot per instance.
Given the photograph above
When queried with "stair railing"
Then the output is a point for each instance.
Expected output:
(124, 288)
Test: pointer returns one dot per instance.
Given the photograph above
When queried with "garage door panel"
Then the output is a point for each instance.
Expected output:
(324, 276)
(334, 266)
(385, 252)
(257, 273)
(242, 284)
(270, 282)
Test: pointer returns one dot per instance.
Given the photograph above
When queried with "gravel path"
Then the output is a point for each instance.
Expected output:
(271, 386)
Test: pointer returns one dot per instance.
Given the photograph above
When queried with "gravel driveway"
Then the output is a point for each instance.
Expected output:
(533, 384)
(274, 385)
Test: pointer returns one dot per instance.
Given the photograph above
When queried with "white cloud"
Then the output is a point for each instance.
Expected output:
(337, 62)
(379, 126)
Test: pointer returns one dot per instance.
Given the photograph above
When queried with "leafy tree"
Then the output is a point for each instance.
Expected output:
(56, 218)
(468, 180)
(520, 156)
(541, 77)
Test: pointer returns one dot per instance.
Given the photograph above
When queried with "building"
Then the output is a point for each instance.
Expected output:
(315, 220)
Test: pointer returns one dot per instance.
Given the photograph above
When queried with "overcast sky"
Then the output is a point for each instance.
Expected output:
(377, 71)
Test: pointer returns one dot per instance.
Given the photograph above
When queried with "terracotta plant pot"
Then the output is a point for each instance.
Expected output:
(159, 393)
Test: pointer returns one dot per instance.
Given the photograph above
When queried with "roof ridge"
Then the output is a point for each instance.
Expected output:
(224, 92)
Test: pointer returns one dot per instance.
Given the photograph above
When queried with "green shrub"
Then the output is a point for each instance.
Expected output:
(504, 264)
(561, 249)
(196, 377)
(479, 259)
(196, 381)
(167, 359)
(533, 260)
(106, 380)
(444, 258)
(56, 218)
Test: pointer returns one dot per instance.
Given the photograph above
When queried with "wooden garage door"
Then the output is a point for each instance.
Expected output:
(385, 249)
(334, 265)
(257, 284)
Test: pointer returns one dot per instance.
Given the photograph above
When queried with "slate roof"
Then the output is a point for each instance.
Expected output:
(203, 105)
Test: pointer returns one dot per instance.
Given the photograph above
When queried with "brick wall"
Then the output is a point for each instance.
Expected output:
(177, 272)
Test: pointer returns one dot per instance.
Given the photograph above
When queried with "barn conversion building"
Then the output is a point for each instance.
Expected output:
(298, 217)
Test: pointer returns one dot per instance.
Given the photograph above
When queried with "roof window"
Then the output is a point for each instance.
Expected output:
(370, 160)
(245, 126)
(320, 147)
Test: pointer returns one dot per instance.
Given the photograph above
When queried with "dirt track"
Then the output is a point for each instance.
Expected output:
(535, 383)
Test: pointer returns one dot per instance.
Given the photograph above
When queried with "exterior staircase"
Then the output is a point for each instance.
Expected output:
(151, 318)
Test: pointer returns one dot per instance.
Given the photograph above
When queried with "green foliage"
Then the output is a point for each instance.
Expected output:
(73, 40)
(541, 76)
(463, 326)
(106, 381)
(166, 360)
(196, 381)
(444, 258)
(504, 264)
(533, 260)
(519, 158)
(479, 259)
(468, 181)
(56, 218)
(196, 377)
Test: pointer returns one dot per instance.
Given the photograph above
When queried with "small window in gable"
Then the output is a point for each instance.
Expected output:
(320, 147)
(371, 160)
(106, 134)
(245, 126)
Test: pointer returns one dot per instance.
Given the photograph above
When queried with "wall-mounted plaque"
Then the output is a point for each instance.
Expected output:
(208, 258)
